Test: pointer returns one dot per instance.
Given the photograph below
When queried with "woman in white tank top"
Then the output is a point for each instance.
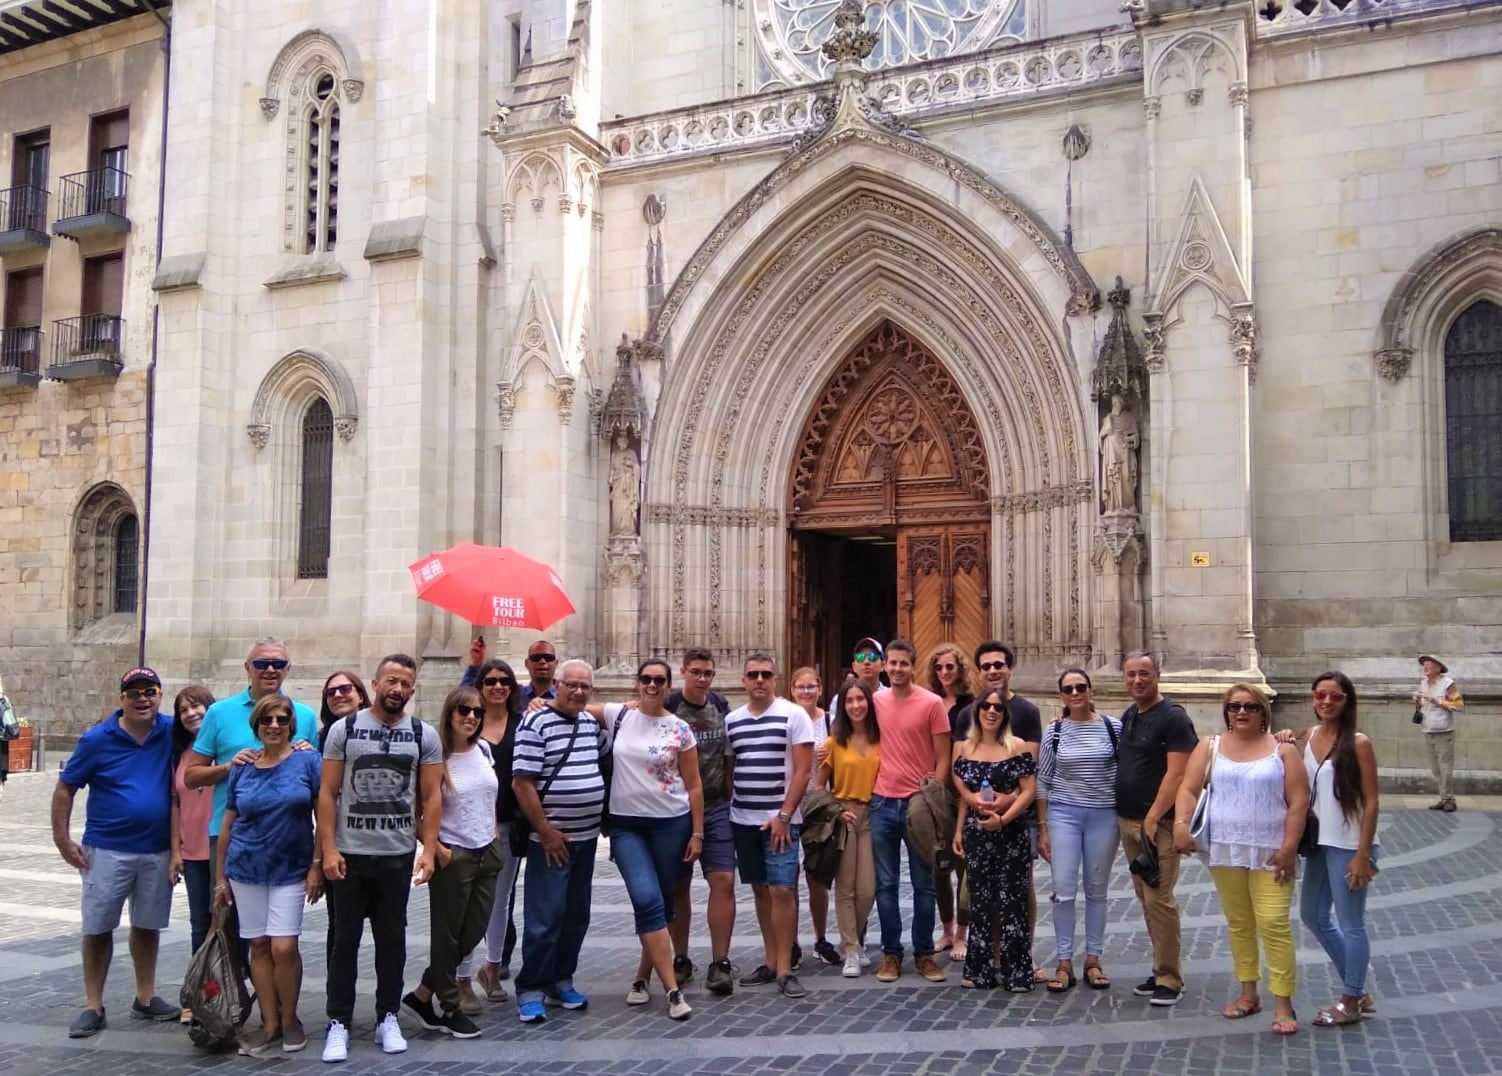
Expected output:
(1259, 798)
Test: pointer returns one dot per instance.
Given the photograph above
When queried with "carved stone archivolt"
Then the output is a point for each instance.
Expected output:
(292, 382)
(1446, 280)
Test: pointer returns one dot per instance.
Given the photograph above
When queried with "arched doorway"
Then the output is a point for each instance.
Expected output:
(889, 509)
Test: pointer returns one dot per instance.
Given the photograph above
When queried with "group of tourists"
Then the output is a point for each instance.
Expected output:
(263, 806)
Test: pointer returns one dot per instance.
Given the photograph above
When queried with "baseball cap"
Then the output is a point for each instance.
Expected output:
(142, 675)
(869, 644)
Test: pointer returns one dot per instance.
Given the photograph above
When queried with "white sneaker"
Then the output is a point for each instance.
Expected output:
(853, 966)
(389, 1035)
(638, 994)
(678, 1009)
(336, 1043)
(864, 959)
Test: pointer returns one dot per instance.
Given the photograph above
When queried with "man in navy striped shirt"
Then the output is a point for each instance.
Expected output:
(769, 751)
(558, 749)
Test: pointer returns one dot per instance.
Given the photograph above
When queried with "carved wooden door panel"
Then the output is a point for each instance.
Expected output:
(943, 585)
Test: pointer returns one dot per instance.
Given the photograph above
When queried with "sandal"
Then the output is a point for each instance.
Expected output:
(1096, 978)
(1240, 1010)
(1337, 1015)
(1063, 978)
(1368, 1005)
(1040, 976)
(958, 953)
(487, 975)
(1286, 1025)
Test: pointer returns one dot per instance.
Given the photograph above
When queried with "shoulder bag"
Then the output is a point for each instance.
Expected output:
(521, 826)
(1199, 822)
(1309, 842)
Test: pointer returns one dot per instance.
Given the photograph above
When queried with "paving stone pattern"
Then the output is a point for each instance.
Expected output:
(1436, 918)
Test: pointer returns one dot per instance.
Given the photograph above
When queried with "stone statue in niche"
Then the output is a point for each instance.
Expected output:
(1119, 440)
(625, 487)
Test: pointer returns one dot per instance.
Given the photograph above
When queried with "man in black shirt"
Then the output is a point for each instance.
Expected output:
(1156, 739)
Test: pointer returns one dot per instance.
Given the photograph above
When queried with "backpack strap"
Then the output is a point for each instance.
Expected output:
(417, 736)
(349, 730)
(1111, 732)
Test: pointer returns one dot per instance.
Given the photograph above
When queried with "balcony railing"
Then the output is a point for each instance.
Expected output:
(89, 346)
(92, 203)
(23, 219)
(20, 355)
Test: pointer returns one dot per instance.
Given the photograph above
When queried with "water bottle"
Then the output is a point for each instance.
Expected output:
(987, 793)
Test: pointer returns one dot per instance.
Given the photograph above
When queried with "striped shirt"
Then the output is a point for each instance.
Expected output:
(762, 746)
(1081, 770)
(577, 795)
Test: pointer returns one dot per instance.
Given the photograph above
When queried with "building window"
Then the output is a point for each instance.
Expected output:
(316, 500)
(127, 564)
(1473, 423)
(321, 211)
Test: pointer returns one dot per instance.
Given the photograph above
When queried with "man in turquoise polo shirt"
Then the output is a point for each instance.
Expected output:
(129, 841)
(226, 739)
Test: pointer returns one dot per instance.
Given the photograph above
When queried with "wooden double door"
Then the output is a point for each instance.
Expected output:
(890, 510)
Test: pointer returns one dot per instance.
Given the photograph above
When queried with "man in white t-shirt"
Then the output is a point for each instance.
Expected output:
(769, 750)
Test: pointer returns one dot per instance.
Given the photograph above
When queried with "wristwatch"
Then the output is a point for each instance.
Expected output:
(784, 816)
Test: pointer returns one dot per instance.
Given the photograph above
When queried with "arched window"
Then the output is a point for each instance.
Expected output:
(321, 166)
(1473, 423)
(127, 564)
(316, 501)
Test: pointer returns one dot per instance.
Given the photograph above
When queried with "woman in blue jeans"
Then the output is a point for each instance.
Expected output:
(1343, 790)
(656, 819)
(1077, 825)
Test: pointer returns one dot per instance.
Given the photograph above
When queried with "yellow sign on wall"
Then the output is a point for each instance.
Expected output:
(1199, 560)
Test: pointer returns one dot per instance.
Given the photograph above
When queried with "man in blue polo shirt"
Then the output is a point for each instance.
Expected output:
(129, 843)
(226, 739)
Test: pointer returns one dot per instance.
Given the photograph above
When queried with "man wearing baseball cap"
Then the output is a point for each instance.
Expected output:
(129, 844)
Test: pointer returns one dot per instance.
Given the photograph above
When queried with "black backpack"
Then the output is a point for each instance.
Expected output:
(215, 988)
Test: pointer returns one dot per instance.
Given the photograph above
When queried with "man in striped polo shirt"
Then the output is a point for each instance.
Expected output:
(769, 751)
(557, 758)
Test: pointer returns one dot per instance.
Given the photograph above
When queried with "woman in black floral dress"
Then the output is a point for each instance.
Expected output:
(994, 775)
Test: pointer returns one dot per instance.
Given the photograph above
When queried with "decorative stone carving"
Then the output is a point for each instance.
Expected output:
(1119, 368)
(1120, 438)
(1076, 142)
(269, 107)
(354, 89)
(260, 433)
(1152, 335)
(1189, 58)
(564, 387)
(292, 379)
(625, 487)
(1238, 94)
(505, 400)
(1151, 107)
(1244, 342)
(1199, 253)
(567, 110)
(345, 427)
(624, 411)
(1393, 362)
(496, 131)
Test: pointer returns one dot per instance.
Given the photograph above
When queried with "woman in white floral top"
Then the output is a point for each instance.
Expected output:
(656, 819)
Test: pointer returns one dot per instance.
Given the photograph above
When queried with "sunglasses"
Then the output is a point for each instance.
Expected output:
(498, 681)
(651, 681)
(1074, 689)
(270, 663)
(1245, 707)
(946, 666)
(542, 657)
(277, 719)
(993, 707)
(867, 655)
(760, 674)
(334, 691)
(1329, 696)
(992, 666)
(470, 711)
(142, 692)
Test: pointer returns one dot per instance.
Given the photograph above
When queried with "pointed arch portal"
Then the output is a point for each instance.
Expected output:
(889, 508)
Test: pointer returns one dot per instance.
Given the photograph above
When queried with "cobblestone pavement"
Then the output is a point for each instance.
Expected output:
(1436, 917)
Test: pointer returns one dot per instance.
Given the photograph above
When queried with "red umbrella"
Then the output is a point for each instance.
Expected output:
(492, 585)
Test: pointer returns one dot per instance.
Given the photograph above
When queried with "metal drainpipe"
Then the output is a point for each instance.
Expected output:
(156, 326)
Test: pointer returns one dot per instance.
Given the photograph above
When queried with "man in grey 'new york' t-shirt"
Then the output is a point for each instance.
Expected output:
(378, 798)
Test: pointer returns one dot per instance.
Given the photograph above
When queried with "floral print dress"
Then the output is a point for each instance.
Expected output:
(998, 864)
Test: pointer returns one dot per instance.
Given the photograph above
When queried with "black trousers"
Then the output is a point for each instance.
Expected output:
(374, 888)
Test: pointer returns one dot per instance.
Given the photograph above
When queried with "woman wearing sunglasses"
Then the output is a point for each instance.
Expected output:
(267, 870)
(343, 694)
(1342, 774)
(462, 889)
(1077, 828)
(807, 687)
(503, 709)
(993, 767)
(656, 818)
(949, 678)
(1259, 799)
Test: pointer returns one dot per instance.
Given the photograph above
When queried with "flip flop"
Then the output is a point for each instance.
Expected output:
(958, 953)
(1285, 1025)
(1240, 1010)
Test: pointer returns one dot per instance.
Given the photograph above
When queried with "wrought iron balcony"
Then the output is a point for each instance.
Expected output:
(86, 347)
(20, 356)
(92, 204)
(23, 219)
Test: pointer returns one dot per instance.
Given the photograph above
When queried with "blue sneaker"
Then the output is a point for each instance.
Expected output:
(531, 1012)
(568, 999)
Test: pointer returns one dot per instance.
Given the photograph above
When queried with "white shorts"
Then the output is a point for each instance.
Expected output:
(269, 911)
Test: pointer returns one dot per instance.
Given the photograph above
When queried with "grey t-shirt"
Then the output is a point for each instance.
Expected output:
(377, 813)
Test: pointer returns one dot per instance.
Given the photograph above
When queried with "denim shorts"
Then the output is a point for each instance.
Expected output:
(114, 877)
(759, 865)
(718, 850)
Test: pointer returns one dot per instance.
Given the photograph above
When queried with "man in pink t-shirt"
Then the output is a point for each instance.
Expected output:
(914, 744)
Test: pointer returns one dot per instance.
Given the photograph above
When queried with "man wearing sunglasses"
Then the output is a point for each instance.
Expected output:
(226, 738)
(129, 842)
(1156, 740)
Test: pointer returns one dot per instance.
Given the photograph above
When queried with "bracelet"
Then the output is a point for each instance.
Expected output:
(696, 836)
(1176, 825)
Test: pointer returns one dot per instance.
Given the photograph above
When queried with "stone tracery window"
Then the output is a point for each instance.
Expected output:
(1473, 423)
(321, 166)
(792, 31)
(106, 556)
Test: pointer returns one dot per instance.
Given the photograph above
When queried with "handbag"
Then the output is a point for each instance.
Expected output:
(1199, 821)
(521, 828)
(1309, 842)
